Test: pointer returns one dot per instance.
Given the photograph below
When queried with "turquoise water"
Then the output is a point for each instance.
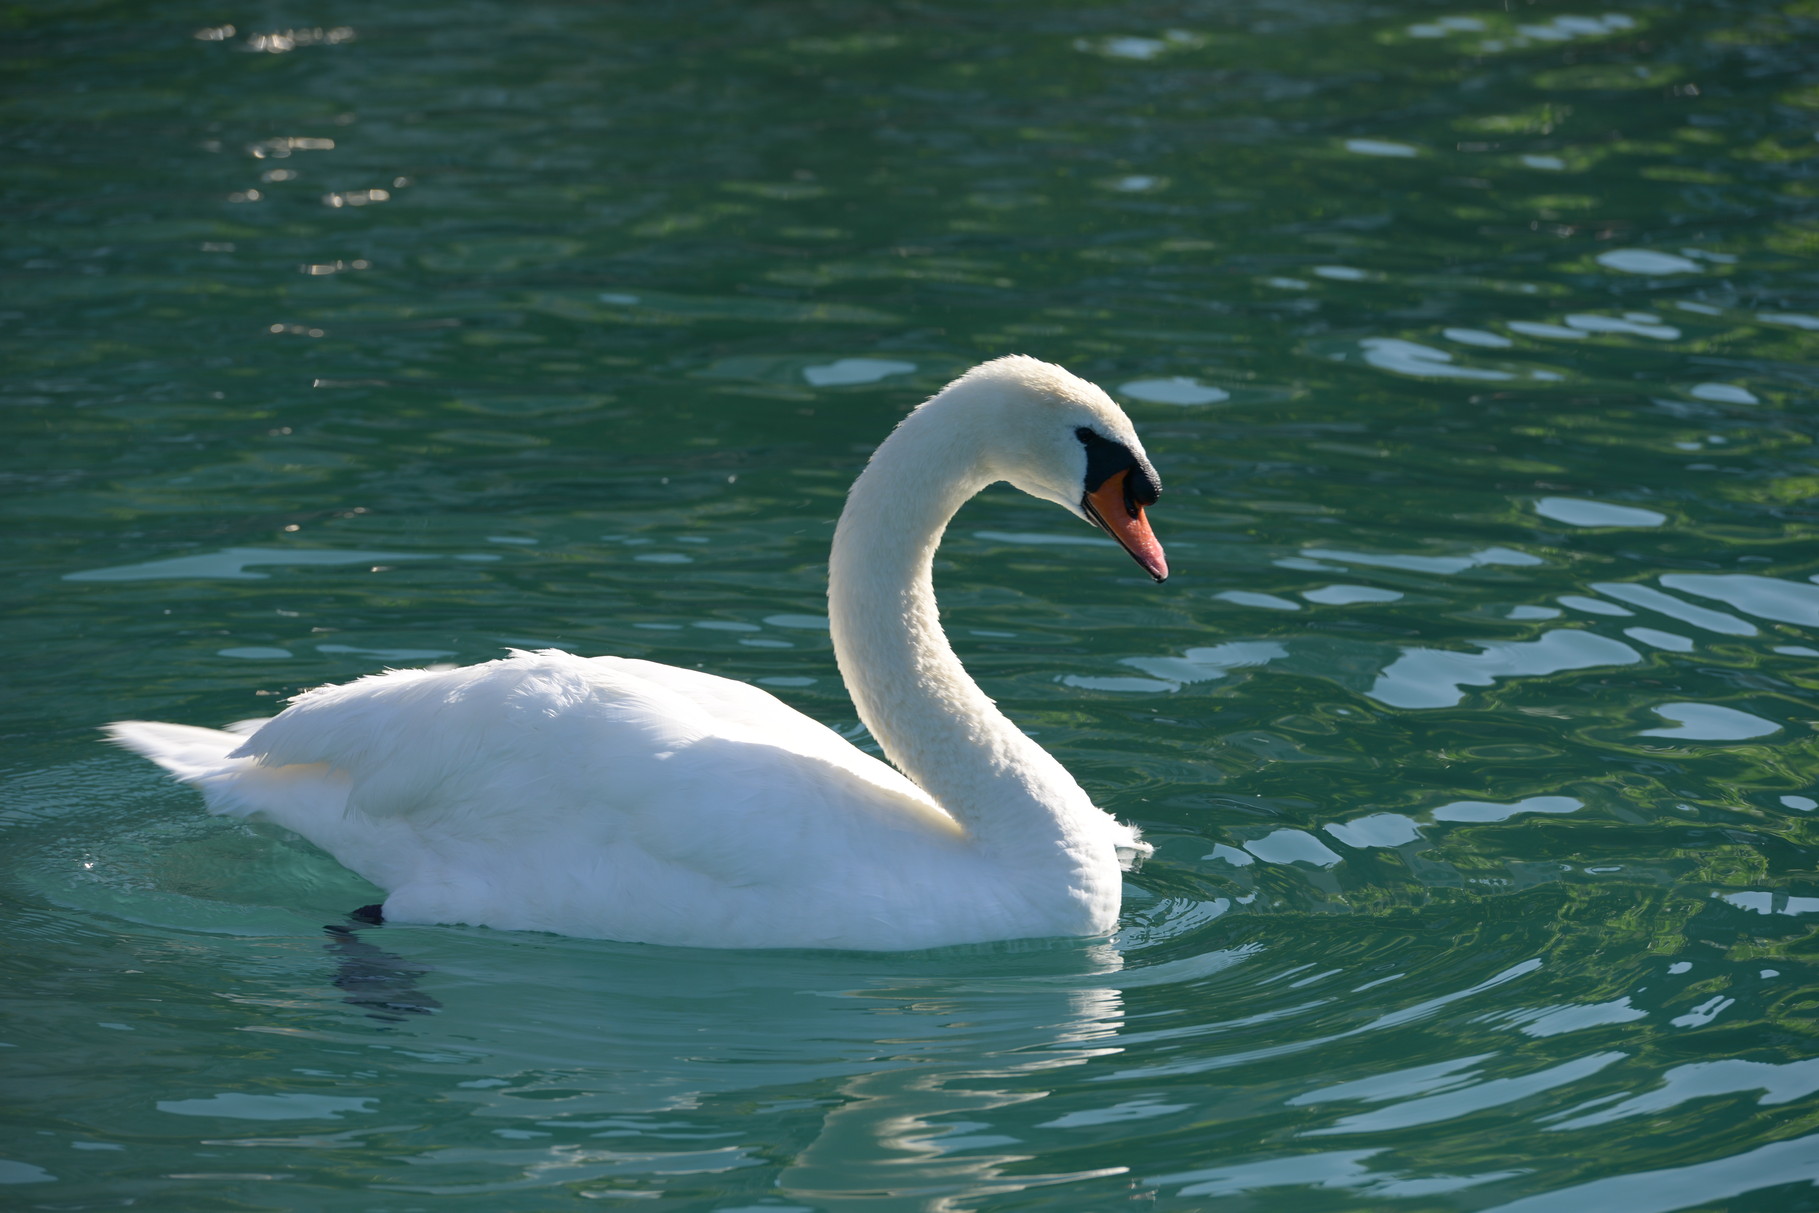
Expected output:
(1475, 729)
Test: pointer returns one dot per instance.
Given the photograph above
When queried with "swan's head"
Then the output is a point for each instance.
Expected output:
(1060, 438)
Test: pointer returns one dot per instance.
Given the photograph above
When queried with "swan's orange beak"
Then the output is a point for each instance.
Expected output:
(1120, 515)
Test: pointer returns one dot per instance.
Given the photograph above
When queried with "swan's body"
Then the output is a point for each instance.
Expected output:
(629, 800)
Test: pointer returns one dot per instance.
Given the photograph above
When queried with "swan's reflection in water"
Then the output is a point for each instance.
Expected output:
(920, 1130)
(847, 1077)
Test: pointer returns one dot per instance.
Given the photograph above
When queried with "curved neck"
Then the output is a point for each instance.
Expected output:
(911, 691)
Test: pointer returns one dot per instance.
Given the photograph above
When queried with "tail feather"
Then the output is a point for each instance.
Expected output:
(300, 797)
(187, 752)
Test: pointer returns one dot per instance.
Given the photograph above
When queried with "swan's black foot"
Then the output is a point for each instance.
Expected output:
(382, 984)
(373, 914)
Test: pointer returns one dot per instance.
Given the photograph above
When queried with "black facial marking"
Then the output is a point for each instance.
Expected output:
(1106, 458)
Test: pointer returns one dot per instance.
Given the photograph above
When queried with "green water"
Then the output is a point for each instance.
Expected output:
(1475, 729)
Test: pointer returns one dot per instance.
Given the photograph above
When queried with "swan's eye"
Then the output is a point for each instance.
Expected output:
(1106, 457)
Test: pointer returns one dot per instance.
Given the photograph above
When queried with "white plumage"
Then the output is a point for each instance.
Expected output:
(625, 799)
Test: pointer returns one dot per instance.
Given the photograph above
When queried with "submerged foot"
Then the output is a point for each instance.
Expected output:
(377, 981)
(381, 983)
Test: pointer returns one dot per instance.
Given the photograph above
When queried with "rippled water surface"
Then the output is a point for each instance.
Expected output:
(1475, 729)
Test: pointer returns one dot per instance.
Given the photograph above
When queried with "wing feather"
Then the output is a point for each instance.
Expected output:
(714, 776)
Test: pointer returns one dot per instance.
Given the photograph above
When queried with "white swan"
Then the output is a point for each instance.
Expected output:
(622, 799)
